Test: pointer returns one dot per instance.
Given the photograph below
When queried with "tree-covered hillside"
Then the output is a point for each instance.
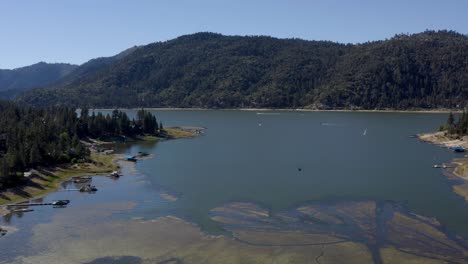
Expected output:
(90, 67)
(31, 137)
(40, 74)
(425, 70)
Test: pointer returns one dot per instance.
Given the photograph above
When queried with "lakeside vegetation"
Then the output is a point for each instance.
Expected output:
(46, 179)
(207, 70)
(33, 138)
(454, 134)
(456, 127)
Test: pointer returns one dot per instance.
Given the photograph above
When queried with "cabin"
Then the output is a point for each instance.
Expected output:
(108, 151)
(28, 174)
(458, 149)
(81, 179)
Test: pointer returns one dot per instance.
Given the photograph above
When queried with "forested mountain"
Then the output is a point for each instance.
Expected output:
(40, 74)
(91, 67)
(16, 81)
(425, 70)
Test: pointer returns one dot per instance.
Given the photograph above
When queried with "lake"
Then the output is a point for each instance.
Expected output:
(277, 160)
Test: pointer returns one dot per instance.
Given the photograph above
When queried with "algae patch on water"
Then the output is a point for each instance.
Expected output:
(358, 232)
(383, 229)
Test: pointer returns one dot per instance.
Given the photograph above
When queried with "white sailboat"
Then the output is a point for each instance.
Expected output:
(365, 132)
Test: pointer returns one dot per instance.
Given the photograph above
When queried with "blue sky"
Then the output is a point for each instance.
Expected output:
(76, 31)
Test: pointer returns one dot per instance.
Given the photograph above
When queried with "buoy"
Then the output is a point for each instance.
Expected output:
(299, 169)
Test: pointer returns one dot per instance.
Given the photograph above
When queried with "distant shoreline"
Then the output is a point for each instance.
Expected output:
(433, 111)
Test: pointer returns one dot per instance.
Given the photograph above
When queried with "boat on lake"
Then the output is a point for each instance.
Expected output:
(115, 174)
(458, 149)
(131, 158)
(61, 202)
(88, 188)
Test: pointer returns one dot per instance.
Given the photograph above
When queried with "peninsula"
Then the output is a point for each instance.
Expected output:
(454, 135)
(41, 148)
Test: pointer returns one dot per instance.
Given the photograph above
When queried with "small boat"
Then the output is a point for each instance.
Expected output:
(365, 132)
(142, 154)
(61, 202)
(436, 166)
(23, 210)
(88, 188)
(114, 174)
(131, 158)
(458, 149)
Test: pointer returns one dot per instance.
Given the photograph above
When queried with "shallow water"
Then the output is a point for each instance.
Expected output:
(246, 156)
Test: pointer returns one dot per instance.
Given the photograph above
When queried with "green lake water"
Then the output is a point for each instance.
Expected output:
(256, 156)
(277, 159)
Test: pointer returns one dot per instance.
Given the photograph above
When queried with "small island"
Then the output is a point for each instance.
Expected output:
(454, 135)
(40, 148)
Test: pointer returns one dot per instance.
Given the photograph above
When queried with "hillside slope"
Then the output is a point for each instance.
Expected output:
(40, 74)
(425, 70)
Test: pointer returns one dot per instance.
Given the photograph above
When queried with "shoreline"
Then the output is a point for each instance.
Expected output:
(360, 243)
(48, 180)
(460, 172)
(420, 111)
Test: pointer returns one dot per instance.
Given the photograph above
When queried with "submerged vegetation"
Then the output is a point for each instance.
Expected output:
(31, 137)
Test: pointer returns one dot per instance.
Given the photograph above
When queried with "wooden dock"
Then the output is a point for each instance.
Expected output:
(29, 204)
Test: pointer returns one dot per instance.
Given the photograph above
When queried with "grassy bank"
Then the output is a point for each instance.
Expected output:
(178, 132)
(47, 180)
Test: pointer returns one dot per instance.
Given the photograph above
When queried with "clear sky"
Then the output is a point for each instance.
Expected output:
(76, 31)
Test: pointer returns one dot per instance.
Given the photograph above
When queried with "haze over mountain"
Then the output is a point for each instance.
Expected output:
(424, 70)
(40, 74)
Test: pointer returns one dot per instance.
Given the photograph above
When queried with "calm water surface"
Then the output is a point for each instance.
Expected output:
(256, 156)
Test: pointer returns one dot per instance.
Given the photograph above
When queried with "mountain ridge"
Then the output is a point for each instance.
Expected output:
(13, 81)
(210, 70)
